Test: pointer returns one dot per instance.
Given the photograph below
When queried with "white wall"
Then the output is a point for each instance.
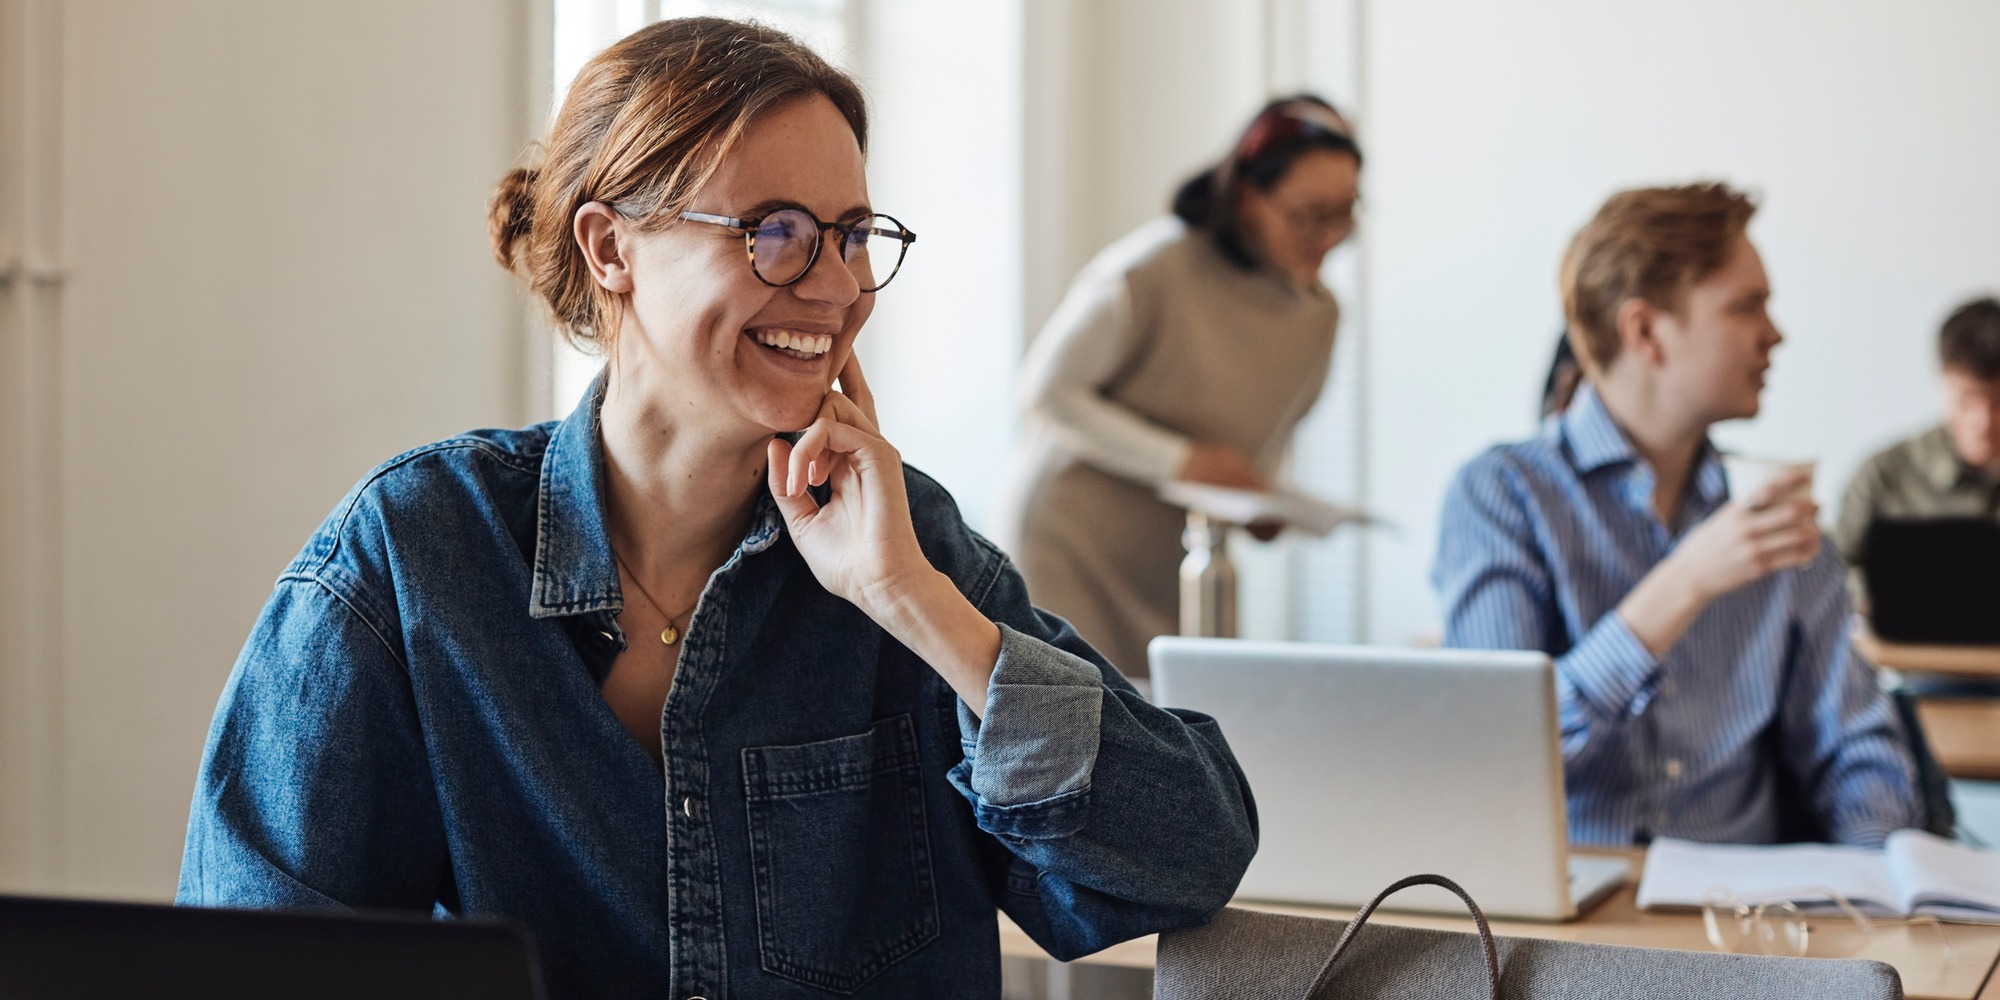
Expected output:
(274, 221)
(1125, 99)
(944, 155)
(1496, 129)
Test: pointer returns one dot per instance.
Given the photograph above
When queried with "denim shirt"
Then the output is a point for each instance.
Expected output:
(415, 724)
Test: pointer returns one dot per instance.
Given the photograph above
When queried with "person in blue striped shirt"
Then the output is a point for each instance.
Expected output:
(1706, 683)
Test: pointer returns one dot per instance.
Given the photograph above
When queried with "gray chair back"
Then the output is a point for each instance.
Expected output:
(1251, 955)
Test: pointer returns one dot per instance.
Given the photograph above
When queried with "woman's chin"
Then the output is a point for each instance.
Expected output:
(789, 416)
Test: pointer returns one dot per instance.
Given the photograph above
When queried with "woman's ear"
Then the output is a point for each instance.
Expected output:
(1638, 331)
(598, 231)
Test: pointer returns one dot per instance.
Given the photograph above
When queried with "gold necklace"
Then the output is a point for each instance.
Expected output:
(670, 634)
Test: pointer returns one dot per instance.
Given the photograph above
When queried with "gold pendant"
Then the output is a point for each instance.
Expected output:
(670, 634)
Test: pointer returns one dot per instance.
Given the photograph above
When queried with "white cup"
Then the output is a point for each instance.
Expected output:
(1748, 474)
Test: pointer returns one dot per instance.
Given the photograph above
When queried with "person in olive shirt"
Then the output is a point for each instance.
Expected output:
(1953, 469)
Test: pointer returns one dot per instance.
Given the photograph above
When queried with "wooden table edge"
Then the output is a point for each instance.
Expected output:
(1910, 658)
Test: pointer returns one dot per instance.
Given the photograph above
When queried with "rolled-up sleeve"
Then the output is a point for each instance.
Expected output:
(1611, 670)
(1033, 753)
(1111, 817)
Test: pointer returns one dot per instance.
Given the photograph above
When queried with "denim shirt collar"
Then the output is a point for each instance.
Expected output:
(575, 572)
(1597, 442)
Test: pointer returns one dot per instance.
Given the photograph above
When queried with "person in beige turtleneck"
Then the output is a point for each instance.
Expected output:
(1189, 350)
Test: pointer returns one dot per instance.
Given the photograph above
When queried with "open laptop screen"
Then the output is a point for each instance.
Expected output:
(1934, 581)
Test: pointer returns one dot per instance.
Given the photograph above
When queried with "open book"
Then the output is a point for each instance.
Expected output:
(1295, 507)
(1913, 873)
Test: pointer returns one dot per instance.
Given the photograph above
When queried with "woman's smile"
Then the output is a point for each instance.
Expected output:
(794, 348)
(791, 342)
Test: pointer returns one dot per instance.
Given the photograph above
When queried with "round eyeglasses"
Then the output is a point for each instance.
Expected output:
(1828, 926)
(783, 245)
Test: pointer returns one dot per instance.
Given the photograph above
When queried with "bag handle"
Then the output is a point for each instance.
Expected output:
(1487, 948)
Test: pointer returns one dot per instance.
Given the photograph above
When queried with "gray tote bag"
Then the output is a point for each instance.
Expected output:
(1251, 955)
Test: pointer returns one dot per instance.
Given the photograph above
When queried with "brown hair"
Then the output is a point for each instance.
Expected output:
(1970, 340)
(645, 125)
(1652, 244)
(1285, 130)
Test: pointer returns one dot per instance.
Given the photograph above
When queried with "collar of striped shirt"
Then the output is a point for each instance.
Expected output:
(1593, 441)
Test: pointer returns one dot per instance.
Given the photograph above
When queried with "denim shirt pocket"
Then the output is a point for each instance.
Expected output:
(840, 851)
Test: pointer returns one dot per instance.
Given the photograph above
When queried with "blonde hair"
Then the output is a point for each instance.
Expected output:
(644, 127)
(1651, 244)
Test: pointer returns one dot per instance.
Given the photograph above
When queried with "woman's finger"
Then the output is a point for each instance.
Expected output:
(808, 450)
(854, 386)
(847, 411)
(821, 450)
(777, 456)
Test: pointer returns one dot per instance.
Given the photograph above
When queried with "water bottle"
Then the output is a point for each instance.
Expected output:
(1208, 580)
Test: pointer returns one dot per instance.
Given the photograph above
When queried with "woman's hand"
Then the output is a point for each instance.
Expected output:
(1221, 465)
(861, 545)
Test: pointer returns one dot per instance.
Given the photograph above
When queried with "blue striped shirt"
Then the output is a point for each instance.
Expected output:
(1540, 542)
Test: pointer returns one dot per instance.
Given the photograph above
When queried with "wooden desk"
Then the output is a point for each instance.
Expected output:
(1618, 920)
(1981, 662)
(1964, 734)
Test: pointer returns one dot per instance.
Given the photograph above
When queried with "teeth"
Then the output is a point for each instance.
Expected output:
(803, 343)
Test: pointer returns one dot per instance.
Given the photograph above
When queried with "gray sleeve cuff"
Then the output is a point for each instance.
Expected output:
(1038, 738)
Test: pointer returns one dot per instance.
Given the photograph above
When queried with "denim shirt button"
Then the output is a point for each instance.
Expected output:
(689, 810)
(607, 637)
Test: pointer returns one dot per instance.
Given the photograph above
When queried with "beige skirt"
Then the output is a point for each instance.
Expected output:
(1104, 553)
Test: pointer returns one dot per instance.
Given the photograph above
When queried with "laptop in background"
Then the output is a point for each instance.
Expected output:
(1369, 764)
(1933, 582)
(58, 949)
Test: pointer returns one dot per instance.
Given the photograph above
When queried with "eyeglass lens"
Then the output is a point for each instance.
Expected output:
(785, 242)
(1321, 219)
(1833, 929)
(1778, 929)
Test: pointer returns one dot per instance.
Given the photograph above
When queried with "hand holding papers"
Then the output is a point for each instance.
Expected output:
(1913, 874)
(1295, 507)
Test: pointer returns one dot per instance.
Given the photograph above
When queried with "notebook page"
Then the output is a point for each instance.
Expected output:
(1681, 873)
(1952, 881)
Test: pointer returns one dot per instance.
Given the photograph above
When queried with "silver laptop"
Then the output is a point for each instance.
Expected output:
(1369, 764)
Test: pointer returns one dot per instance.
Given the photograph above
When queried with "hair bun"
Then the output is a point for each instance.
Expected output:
(512, 213)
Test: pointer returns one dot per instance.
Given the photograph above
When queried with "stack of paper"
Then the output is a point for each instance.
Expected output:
(1294, 507)
(1914, 873)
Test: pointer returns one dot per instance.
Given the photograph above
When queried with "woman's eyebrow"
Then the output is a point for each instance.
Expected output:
(766, 207)
(770, 205)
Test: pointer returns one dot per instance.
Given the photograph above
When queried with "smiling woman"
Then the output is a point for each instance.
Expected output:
(828, 741)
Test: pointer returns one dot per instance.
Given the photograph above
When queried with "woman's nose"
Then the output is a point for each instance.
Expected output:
(829, 280)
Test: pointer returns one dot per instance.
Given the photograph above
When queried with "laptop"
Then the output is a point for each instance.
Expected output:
(58, 949)
(1369, 764)
(1933, 581)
